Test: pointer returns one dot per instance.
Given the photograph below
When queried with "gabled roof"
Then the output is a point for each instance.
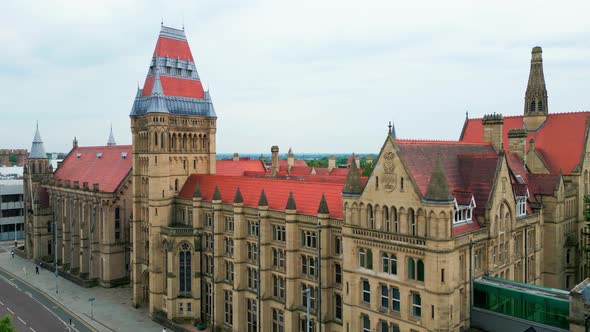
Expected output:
(238, 167)
(83, 164)
(307, 193)
(543, 184)
(560, 140)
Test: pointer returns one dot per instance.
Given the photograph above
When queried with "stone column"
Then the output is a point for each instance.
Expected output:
(293, 271)
(265, 273)
(240, 274)
(217, 296)
(84, 239)
(75, 235)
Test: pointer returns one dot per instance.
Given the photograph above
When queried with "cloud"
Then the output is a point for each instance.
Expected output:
(320, 76)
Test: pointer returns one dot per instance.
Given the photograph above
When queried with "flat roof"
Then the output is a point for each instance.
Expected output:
(525, 288)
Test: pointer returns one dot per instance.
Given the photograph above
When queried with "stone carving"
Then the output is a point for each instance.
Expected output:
(389, 176)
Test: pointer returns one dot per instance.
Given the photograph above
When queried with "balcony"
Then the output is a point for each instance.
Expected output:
(178, 230)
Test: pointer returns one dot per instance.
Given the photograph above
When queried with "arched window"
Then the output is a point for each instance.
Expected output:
(185, 268)
(412, 221)
(411, 269)
(532, 108)
(117, 223)
(162, 144)
(586, 182)
(387, 219)
(176, 185)
(156, 139)
(420, 270)
(395, 220)
(540, 106)
(385, 263)
(370, 216)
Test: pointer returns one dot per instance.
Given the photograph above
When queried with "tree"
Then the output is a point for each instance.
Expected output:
(6, 324)
(367, 168)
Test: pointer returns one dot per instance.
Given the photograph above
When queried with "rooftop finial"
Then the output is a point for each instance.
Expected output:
(111, 140)
(389, 126)
(466, 114)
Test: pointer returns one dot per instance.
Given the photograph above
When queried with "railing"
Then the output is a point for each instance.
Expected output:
(184, 230)
(389, 237)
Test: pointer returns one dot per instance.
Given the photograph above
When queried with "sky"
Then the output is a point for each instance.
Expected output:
(314, 75)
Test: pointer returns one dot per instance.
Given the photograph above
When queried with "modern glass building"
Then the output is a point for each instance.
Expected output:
(541, 305)
(11, 210)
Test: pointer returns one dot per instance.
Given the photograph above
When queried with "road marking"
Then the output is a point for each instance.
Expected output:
(22, 320)
(32, 329)
(12, 312)
(1, 303)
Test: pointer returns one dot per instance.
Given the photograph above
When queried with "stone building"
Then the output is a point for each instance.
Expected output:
(244, 245)
(80, 214)
(549, 152)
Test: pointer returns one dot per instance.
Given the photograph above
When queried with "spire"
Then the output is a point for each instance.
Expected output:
(238, 198)
(392, 129)
(111, 140)
(157, 101)
(438, 187)
(323, 208)
(262, 201)
(216, 194)
(353, 183)
(37, 149)
(291, 202)
(197, 192)
(535, 100)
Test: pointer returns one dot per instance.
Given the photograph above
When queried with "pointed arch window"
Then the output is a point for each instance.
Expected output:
(412, 222)
(540, 106)
(185, 268)
(411, 269)
(156, 139)
(387, 219)
(395, 220)
(532, 107)
(371, 217)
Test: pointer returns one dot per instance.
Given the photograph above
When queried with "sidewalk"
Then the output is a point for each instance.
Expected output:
(113, 308)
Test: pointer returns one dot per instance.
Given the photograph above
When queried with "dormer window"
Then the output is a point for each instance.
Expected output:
(521, 199)
(464, 213)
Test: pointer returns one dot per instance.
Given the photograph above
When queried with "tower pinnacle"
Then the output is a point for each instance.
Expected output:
(536, 92)
(111, 140)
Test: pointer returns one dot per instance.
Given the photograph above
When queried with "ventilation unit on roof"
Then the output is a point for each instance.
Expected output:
(78, 155)
(519, 179)
(123, 155)
(99, 154)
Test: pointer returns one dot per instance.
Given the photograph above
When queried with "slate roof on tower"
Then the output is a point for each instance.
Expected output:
(172, 81)
(560, 140)
(37, 148)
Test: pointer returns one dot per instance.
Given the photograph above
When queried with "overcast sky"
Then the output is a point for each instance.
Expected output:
(318, 75)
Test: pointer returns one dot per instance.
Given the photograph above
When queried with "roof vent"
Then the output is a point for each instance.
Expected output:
(78, 155)
(519, 179)
(123, 155)
(99, 154)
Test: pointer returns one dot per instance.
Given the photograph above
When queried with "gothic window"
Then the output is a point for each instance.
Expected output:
(411, 269)
(521, 206)
(416, 305)
(540, 106)
(185, 268)
(156, 139)
(412, 221)
(252, 316)
(228, 306)
(371, 216)
(366, 323)
(278, 320)
(162, 140)
(386, 218)
(366, 258)
(117, 224)
(176, 185)
(338, 306)
(532, 108)
(395, 220)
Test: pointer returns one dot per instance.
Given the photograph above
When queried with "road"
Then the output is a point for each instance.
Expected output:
(31, 310)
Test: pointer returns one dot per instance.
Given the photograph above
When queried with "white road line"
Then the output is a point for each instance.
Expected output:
(32, 329)
(22, 321)
(12, 312)
(1, 303)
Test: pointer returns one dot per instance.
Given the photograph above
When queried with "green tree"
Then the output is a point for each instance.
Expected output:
(6, 324)
(367, 168)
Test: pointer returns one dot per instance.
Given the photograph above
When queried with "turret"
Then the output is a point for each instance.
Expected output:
(535, 99)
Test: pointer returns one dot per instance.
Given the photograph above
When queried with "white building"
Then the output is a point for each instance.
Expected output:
(11, 210)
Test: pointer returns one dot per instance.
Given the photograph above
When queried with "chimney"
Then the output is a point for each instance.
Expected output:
(517, 142)
(274, 150)
(492, 130)
(331, 163)
(236, 156)
(290, 159)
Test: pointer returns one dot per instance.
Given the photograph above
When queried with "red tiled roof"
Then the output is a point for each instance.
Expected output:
(420, 158)
(339, 171)
(307, 193)
(464, 228)
(175, 86)
(300, 170)
(560, 139)
(516, 166)
(542, 184)
(173, 48)
(108, 170)
(238, 167)
(321, 170)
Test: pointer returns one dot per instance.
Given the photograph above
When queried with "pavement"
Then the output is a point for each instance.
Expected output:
(111, 310)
